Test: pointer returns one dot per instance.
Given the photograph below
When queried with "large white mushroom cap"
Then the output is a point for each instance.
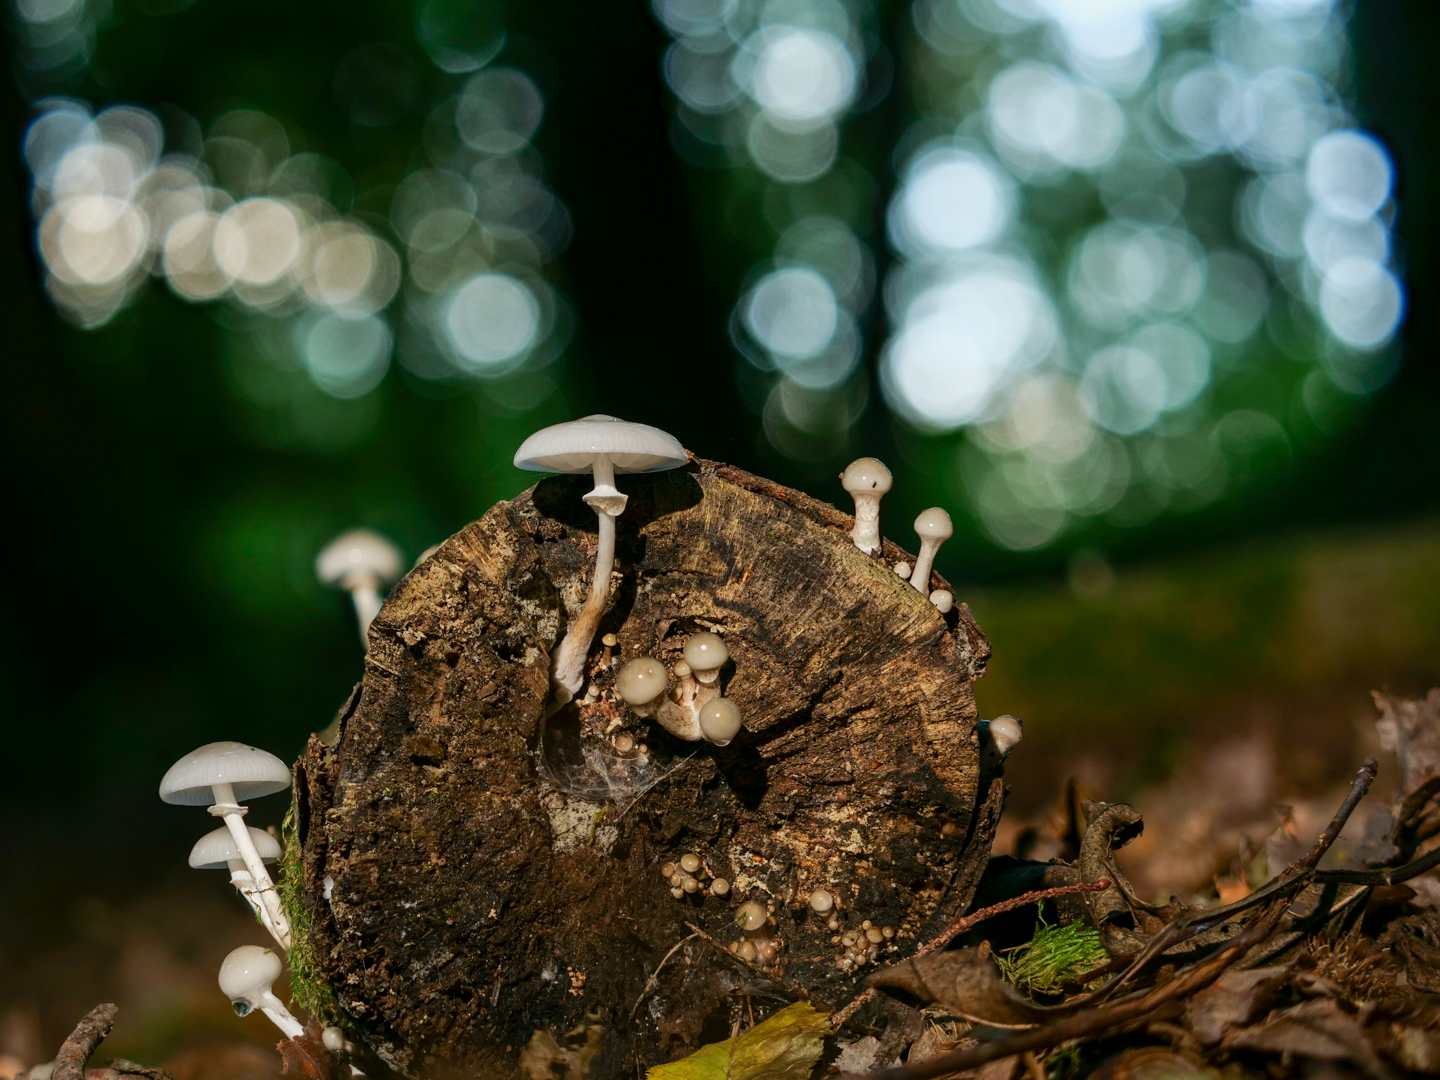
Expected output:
(934, 524)
(251, 772)
(216, 850)
(358, 551)
(572, 447)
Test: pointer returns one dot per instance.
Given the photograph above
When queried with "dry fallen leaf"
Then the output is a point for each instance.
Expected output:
(965, 982)
(784, 1047)
(1233, 1000)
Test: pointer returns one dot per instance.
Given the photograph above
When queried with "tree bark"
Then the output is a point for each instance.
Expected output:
(495, 872)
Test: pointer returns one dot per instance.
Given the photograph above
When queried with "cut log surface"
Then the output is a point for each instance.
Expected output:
(496, 872)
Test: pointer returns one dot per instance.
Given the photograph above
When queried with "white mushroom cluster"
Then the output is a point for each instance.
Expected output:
(867, 480)
(760, 944)
(690, 876)
(864, 946)
(219, 775)
(696, 711)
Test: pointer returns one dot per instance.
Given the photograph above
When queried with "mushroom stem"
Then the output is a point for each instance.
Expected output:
(866, 533)
(364, 590)
(280, 1016)
(568, 674)
(920, 576)
(682, 722)
(245, 886)
(233, 815)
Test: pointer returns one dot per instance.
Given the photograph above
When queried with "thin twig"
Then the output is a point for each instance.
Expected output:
(88, 1034)
(784, 984)
(652, 982)
(1288, 881)
(967, 922)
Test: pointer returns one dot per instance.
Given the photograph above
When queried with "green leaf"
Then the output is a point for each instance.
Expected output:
(785, 1047)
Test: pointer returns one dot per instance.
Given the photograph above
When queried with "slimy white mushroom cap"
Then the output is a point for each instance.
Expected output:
(943, 599)
(1005, 733)
(358, 553)
(720, 721)
(243, 772)
(934, 528)
(641, 681)
(217, 850)
(867, 480)
(706, 653)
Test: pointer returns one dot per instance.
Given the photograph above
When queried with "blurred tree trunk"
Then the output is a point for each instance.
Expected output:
(492, 873)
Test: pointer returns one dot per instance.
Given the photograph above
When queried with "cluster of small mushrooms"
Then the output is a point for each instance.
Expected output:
(868, 480)
(223, 776)
(688, 877)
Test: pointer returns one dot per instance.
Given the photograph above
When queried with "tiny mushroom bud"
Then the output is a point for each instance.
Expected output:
(217, 851)
(624, 744)
(362, 563)
(751, 915)
(603, 446)
(902, 569)
(767, 950)
(821, 901)
(706, 654)
(677, 892)
(1003, 734)
(609, 641)
(867, 480)
(246, 978)
(641, 684)
(747, 951)
(690, 862)
(333, 1039)
(943, 599)
(934, 528)
(690, 885)
(874, 935)
(720, 721)
(667, 871)
(719, 887)
(218, 775)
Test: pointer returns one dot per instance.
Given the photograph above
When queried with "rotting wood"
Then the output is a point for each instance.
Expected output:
(486, 880)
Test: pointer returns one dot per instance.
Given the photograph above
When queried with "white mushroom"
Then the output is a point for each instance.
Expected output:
(943, 599)
(246, 978)
(998, 737)
(934, 528)
(362, 563)
(603, 446)
(706, 654)
(216, 850)
(333, 1039)
(720, 721)
(867, 480)
(218, 775)
(641, 685)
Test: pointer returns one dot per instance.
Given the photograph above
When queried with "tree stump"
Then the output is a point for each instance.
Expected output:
(475, 871)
